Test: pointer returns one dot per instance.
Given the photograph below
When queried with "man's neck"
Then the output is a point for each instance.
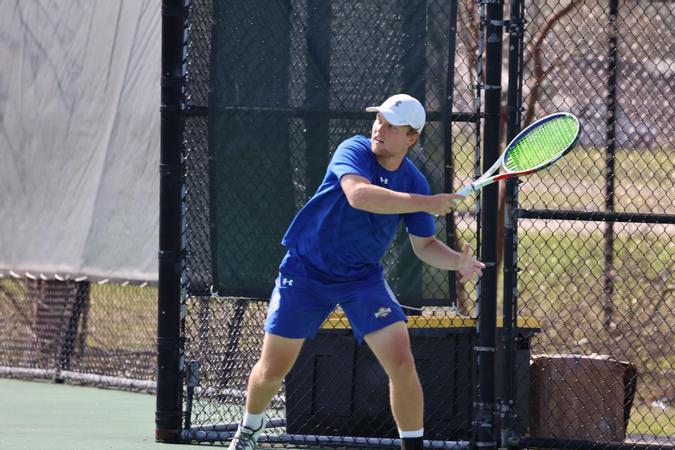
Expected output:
(391, 163)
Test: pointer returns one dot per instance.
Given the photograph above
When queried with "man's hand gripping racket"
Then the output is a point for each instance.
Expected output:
(536, 147)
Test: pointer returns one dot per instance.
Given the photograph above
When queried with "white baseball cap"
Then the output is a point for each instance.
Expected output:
(402, 109)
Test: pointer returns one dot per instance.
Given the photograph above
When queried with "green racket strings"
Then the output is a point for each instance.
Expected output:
(542, 144)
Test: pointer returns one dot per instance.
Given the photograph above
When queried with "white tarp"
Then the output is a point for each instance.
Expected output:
(79, 137)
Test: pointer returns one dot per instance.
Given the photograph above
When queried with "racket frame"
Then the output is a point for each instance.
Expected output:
(487, 177)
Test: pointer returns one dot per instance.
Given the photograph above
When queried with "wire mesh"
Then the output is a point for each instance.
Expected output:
(223, 332)
(603, 363)
(78, 331)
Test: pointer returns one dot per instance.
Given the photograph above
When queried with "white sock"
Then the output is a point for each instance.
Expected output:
(253, 421)
(411, 434)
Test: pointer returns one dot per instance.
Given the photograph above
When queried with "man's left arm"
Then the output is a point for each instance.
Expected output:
(437, 254)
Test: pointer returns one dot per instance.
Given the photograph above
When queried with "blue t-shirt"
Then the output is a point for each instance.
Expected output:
(340, 243)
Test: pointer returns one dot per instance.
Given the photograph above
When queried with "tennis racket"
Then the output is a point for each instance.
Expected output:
(538, 146)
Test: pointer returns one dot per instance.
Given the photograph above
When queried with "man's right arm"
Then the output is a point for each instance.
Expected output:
(363, 195)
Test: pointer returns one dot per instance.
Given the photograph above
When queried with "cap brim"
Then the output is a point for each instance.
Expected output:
(388, 114)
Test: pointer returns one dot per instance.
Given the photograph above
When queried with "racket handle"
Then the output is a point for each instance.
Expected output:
(467, 190)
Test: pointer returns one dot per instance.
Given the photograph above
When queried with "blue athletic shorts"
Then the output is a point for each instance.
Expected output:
(299, 305)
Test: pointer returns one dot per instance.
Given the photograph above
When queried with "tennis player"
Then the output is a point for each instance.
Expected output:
(335, 244)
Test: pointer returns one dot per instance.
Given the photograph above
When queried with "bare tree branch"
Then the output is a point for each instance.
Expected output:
(535, 53)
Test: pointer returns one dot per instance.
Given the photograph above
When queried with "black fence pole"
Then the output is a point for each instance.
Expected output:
(70, 339)
(487, 321)
(509, 394)
(449, 168)
(168, 412)
(610, 103)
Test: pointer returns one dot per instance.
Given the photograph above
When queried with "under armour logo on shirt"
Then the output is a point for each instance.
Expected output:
(398, 103)
(384, 180)
(287, 281)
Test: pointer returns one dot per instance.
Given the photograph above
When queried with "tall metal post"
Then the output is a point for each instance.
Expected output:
(509, 393)
(487, 322)
(168, 406)
(449, 168)
(610, 103)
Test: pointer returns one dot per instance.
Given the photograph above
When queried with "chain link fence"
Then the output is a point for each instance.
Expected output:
(596, 232)
(289, 81)
(81, 332)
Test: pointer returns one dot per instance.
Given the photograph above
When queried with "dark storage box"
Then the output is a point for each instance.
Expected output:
(338, 388)
(581, 397)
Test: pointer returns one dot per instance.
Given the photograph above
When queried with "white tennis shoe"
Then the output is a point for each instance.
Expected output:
(246, 438)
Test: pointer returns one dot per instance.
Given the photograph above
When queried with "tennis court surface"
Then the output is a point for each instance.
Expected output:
(46, 416)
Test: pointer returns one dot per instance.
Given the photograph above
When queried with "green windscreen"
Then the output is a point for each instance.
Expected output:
(280, 102)
(542, 143)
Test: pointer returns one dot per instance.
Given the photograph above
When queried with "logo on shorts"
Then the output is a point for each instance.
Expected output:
(382, 312)
(287, 282)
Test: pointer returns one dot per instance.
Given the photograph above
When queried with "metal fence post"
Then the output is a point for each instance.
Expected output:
(169, 399)
(509, 372)
(610, 121)
(487, 323)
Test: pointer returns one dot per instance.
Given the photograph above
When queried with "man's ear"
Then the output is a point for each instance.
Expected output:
(412, 139)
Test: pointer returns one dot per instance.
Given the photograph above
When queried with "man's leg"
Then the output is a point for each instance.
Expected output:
(276, 360)
(391, 346)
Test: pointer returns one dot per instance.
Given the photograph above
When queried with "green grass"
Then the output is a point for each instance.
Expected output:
(644, 182)
(122, 317)
(652, 421)
(554, 262)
